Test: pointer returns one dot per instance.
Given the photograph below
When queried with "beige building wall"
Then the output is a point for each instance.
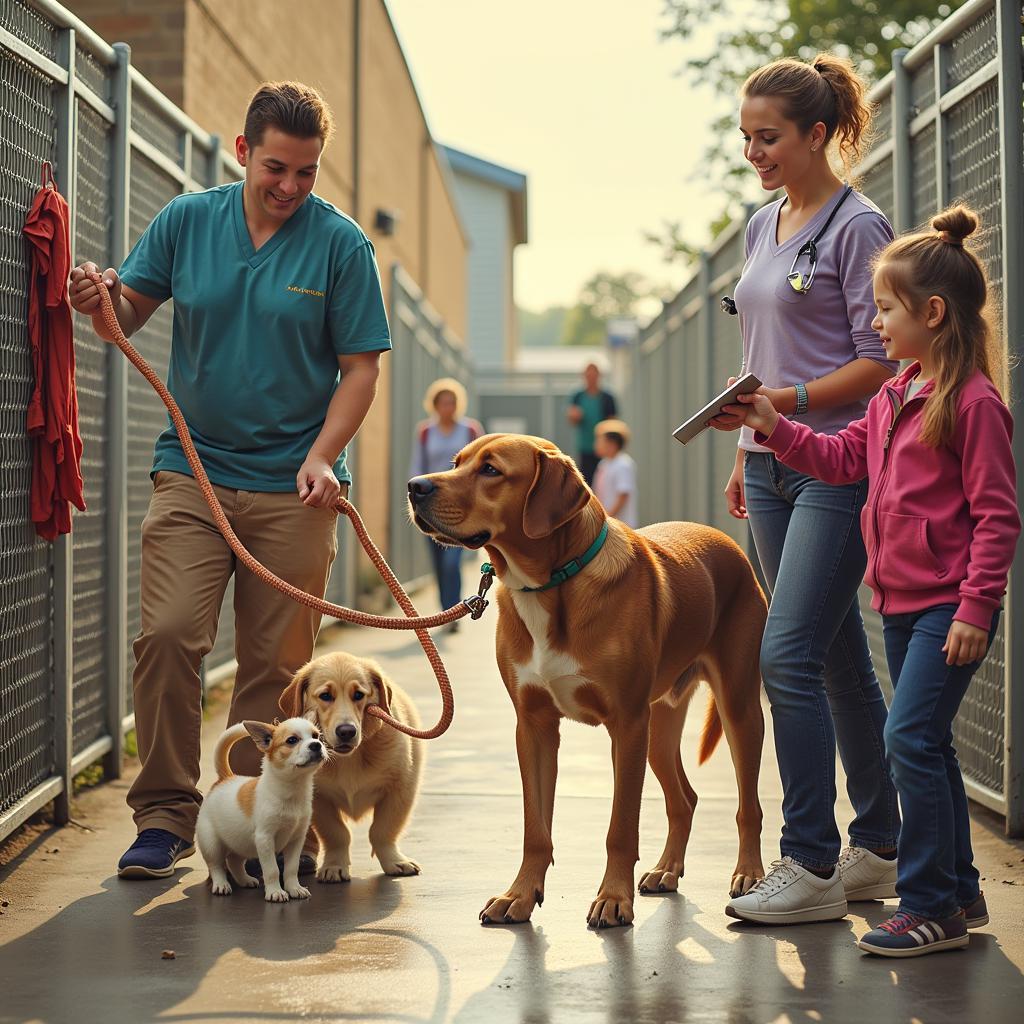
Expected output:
(233, 46)
(154, 29)
(210, 56)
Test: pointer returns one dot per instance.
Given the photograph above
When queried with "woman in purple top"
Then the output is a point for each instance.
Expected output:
(437, 441)
(805, 304)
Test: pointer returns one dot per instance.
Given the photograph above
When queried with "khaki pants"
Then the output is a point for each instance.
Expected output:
(186, 565)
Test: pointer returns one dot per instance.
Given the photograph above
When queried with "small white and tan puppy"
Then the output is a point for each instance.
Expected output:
(244, 817)
(372, 766)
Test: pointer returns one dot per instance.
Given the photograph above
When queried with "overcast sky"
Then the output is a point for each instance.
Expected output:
(581, 96)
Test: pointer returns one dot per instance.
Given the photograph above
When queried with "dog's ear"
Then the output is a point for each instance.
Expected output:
(261, 733)
(293, 698)
(383, 688)
(558, 493)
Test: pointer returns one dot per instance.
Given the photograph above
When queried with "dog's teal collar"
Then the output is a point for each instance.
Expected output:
(570, 569)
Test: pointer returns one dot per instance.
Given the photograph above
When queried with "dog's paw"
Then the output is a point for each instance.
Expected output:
(248, 882)
(611, 909)
(743, 880)
(659, 880)
(298, 892)
(401, 866)
(331, 873)
(220, 888)
(511, 907)
(276, 896)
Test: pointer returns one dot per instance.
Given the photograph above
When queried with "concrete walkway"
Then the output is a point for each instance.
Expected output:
(77, 945)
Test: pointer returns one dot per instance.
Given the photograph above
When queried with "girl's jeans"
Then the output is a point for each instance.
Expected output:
(815, 661)
(447, 569)
(937, 875)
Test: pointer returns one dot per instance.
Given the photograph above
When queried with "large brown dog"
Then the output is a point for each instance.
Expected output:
(622, 643)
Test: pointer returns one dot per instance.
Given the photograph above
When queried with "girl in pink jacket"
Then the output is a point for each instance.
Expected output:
(941, 526)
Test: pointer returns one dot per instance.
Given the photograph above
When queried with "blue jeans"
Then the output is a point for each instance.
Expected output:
(815, 661)
(448, 572)
(937, 875)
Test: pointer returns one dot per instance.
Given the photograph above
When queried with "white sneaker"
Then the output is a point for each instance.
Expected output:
(790, 894)
(866, 876)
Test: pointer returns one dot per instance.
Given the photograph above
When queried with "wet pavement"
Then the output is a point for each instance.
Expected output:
(77, 944)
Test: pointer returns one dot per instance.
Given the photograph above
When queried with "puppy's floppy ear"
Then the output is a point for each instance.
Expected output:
(261, 733)
(293, 698)
(558, 493)
(383, 688)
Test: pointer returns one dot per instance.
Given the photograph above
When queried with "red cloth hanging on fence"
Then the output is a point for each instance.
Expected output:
(52, 419)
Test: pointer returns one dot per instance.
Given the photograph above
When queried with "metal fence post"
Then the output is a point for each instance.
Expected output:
(705, 373)
(1011, 134)
(214, 170)
(63, 548)
(941, 62)
(117, 420)
(902, 168)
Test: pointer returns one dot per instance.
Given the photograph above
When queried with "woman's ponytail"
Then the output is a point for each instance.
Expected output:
(852, 109)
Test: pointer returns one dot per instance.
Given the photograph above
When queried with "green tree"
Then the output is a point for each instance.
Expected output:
(540, 329)
(866, 31)
(604, 297)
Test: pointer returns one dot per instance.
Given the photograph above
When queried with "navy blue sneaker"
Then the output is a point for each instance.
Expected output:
(906, 934)
(153, 854)
(307, 865)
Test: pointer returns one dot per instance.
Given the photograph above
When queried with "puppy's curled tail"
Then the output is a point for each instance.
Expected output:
(711, 733)
(227, 740)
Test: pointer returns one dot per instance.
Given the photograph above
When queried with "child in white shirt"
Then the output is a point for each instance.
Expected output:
(615, 477)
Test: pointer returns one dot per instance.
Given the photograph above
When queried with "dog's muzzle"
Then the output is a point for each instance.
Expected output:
(314, 756)
(421, 488)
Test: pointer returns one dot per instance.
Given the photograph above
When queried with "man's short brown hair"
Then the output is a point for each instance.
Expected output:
(292, 108)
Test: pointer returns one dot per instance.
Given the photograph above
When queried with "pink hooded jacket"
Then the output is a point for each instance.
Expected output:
(940, 524)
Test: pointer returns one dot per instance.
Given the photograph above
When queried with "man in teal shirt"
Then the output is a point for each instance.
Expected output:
(587, 408)
(279, 323)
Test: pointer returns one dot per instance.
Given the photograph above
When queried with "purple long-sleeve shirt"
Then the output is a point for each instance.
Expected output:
(790, 338)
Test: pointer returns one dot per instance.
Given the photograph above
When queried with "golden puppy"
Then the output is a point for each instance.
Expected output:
(371, 767)
(608, 628)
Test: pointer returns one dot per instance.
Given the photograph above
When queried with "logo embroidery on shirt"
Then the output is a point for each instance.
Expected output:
(306, 291)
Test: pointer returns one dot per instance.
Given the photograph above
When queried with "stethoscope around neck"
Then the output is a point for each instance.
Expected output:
(800, 281)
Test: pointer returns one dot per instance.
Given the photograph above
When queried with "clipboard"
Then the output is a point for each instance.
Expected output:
(698, 421)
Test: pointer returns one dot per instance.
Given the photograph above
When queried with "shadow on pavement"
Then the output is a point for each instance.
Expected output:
(673, 968)
(100, 958)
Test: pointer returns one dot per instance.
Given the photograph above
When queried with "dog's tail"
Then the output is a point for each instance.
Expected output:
(227, 740)
(712, 731)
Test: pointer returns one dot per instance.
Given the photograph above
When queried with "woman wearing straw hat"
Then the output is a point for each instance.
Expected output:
(437, 441)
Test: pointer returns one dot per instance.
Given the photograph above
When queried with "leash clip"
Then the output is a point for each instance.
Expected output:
(477, 604)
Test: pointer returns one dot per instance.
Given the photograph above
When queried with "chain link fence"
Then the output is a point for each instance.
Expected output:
(69, 610)
(949, 122)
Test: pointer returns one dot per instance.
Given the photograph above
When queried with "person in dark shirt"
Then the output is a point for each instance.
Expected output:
(587, 408)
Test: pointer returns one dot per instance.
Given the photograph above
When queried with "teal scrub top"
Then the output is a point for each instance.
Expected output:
(256, 333)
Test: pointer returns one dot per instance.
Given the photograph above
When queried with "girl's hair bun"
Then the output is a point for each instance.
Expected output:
(955, 224)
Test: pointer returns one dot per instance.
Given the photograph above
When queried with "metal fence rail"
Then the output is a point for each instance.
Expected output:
(68, 610)
(950, 128)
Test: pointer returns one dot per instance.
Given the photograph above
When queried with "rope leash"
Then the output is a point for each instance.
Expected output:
(473, 606)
